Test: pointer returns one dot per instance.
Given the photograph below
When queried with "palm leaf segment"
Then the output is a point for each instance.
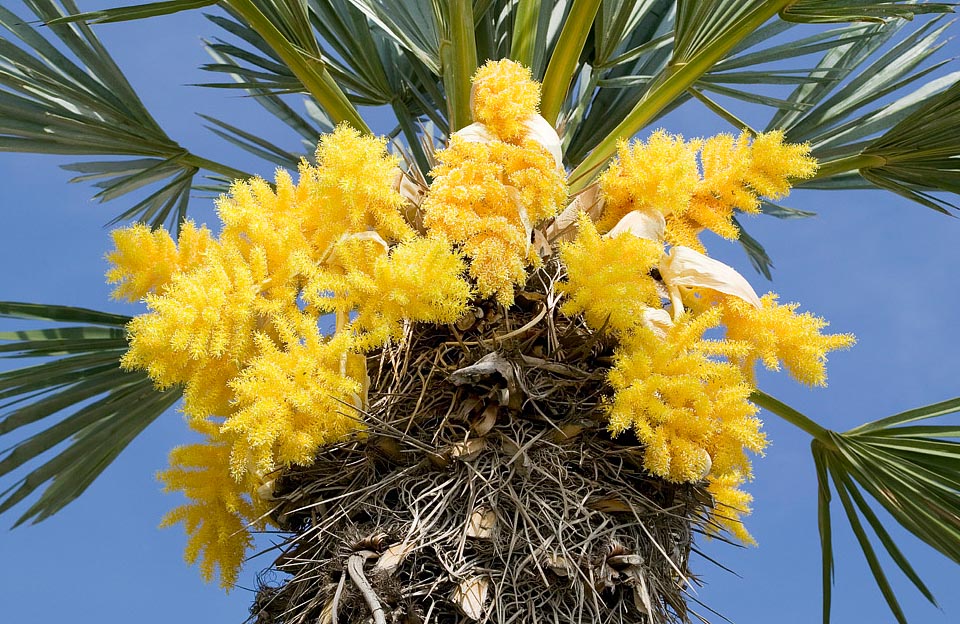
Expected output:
(98, 408)
(911, 470)
(51, 104)
(622, 76)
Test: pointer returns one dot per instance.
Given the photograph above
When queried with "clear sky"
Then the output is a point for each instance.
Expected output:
(871, 263)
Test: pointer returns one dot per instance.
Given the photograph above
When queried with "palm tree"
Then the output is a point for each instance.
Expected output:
(862, 98)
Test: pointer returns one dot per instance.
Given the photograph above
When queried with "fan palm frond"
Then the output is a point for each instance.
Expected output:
(132, 12)
(828, 11)
(102, 408)
(912, 471)
(919, 154)
(838, 121)
(53, 104)
(706, 32)
(285, 27)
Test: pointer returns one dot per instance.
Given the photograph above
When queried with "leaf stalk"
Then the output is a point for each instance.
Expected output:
(310, 71)
(795, 418)
(192, 160)
(849, 163)
(563, 62)
(458, 55)
(525, 32)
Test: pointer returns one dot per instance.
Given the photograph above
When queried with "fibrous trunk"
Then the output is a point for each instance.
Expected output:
(485, 487)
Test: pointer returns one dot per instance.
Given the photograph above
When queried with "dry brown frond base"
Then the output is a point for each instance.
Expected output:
(485, 488)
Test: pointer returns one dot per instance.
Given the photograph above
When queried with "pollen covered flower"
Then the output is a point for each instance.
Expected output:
(700, 184)
(609, 279)
(265, 228)
(487, 197)
(685, 400)
(203, 318)
(419, 280)
(289, 402)
(504, 96)
(658, 174)
(777, 333)
(349, 190)
(498, 179)
(737, 172)
(219, 512)
(730, 504)
(144, 260)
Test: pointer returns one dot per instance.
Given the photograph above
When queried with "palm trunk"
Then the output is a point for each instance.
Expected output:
(486, 488)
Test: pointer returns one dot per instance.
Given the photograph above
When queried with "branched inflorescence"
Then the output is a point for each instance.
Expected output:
(687, 396)
(236, 318)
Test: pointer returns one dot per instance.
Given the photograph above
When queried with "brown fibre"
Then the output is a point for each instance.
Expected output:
(485, 488)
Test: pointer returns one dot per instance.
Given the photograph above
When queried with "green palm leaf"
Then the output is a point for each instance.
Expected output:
(915, 156)
(53, 104)
(837, 118)
(920, 153)
(413, 25)
(826, 11)
(363, 59)
(913, 472)
(92, 405)
(134, 12)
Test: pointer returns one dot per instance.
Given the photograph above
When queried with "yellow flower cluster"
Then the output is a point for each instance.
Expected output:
(235, 320)
(733, 174)
(220, 512)
(493, 185)
(687, 397)
(288, 402)
(144, 260)
(687, 405)
(609, 280)
(777, 333)
(504, 96)
(660, 174)
(415, 280)
(730, 504)
(413, 283)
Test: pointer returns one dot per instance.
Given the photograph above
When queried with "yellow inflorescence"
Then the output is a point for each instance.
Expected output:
(737, 172)
(288, 403)
(487, 195)
(219, 512)
(687, 397)
(504, 96)
(144, 260)
(663, 174)
(235, 321)
(777, 333)
(685, 400)
(660, 174)
(608, 279)
(731, 503)
(418, 279)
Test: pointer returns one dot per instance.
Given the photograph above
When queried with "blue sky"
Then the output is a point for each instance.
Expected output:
(870, 262)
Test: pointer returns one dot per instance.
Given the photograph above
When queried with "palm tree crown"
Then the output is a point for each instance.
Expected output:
(507, 253)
